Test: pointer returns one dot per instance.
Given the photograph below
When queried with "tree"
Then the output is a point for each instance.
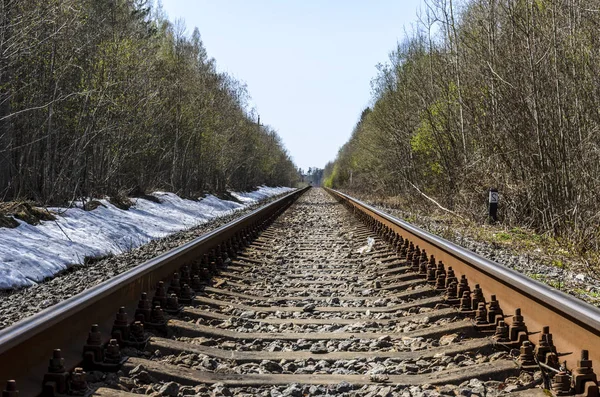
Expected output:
(488, 93)
(106, 97)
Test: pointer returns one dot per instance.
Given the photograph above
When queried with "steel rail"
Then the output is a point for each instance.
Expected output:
(575, 324)
(26, 347)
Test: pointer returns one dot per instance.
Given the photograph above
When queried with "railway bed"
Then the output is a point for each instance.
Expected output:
(313, 294)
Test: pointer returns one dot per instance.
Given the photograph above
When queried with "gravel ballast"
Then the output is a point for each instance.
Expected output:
(571, 277)
(317, 304)
(297, 269)
(19, 304)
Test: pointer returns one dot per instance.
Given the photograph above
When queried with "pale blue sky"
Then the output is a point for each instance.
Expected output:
(307, 63)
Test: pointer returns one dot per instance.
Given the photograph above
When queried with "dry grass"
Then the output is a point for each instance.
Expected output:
(26, 211)
(121, 201)
(562, 253)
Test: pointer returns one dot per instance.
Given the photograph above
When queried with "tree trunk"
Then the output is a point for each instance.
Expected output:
(6, 132)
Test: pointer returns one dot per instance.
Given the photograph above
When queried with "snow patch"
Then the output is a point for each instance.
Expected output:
(29, 254)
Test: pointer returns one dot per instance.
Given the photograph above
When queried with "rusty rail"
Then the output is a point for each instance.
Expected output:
(574, 324)
(26, 346)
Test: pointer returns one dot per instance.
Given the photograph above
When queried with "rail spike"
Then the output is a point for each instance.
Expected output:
(128, 335)
(112, 353)
(501, 334)
(450, 277)
(584, 380)
(57, 378)
(186, 276)
(465, 303)
(561, 384)
(96, 356)
(431, 274)
(157, 321)
(144, 309)
(452, 293)
(463, 285)
(160, 296)
(481, 314)
(78, 383)
(495, 313)
(477, 297)
(187, 294)
(175, 285)
(416, 261)
(138, 337)
(518, 330)
(423, 267)
(173, 306)
(197, 284)
(440, 284)
(526, 357)
(11, 389)
(120, 329)
(545, 351)
(440, 269)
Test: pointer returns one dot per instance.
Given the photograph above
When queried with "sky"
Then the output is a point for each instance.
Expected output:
(308, 64)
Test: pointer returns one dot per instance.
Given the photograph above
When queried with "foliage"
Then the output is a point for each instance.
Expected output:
(313, 177)
(501, 94)
(107, 97)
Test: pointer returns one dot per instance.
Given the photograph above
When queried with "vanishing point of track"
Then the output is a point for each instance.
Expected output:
(316, 292)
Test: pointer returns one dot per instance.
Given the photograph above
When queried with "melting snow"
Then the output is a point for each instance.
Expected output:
(28, 254)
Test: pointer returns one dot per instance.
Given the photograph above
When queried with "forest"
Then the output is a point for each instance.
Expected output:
(109, 97)
(488, 94)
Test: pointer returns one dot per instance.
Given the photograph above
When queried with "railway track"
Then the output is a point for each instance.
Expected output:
(325, 296)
